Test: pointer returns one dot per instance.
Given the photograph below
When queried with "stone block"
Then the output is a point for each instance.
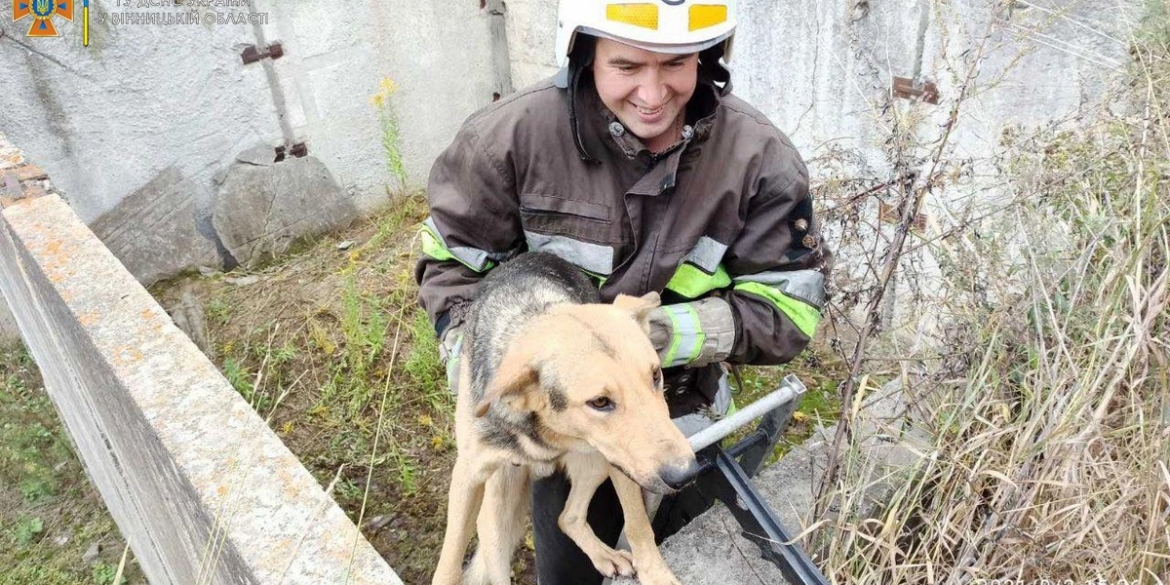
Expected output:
(30, 172)
(262, 209)
(153, 230)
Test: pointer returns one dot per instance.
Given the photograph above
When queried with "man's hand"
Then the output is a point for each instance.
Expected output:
(695, 333)
(450, 349)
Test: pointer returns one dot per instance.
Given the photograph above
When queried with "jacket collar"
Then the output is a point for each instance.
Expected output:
(603, 133)
(600, 128)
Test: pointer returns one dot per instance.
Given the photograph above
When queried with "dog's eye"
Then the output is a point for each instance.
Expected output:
(657, 377)
(602, 403)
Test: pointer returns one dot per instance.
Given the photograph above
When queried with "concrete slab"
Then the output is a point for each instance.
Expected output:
(262, 209)
(153, 231)
(202, 489)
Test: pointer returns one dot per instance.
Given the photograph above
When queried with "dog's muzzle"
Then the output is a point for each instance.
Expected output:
(677, 476)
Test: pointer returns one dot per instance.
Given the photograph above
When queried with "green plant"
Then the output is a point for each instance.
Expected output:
(107, 574)
(239, 377)
(423, 367)
(388, 120)
(284, 354)
(219, 310)
(28, 529)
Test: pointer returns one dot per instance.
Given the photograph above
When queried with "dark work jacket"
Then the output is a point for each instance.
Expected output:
(731, 196)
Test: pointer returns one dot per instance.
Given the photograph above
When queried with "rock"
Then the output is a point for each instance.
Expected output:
(377, 523)
(153, 231)
(261, 210)
(260, 155)
(345, 245)
(242, 280)
(188, 316)
(92, 554)
(711, 551)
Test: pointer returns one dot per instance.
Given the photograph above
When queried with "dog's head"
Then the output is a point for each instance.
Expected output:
(590, 376)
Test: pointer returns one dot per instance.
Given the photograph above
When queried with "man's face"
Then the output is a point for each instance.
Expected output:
(647, 91)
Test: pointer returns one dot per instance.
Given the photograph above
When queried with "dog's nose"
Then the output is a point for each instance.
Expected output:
(680, 474)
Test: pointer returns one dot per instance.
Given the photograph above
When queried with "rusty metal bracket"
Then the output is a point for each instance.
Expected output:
(907, 88)
(298, 150)
(251, 54)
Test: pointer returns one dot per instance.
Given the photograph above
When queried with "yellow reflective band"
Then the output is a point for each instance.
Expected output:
(640, 15)
(433, 246)
(693, 283)
(705, 15)
(805, 316)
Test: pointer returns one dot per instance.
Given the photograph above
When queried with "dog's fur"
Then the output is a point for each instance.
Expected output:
(553, 378)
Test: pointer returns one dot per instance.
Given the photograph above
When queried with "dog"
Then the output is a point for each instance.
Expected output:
(552, 378)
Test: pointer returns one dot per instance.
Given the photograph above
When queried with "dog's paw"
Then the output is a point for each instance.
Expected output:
(656, 574)
(613, 563)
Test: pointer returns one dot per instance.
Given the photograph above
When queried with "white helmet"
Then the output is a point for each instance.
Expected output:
(662, 26)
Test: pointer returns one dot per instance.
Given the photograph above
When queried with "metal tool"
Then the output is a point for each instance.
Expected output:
(725, 476)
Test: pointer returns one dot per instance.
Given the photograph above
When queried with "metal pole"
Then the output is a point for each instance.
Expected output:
(790, 388)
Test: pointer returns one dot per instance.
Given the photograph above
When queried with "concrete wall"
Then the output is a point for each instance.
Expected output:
(162, 111)
(141, 126)
(198, 484)
(822, 70)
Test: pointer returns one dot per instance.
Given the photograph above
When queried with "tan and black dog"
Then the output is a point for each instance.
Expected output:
(550, 377)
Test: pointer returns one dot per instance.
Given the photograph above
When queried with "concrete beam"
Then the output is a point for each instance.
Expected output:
(196, 481)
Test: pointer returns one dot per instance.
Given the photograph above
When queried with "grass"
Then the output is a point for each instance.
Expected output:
(1042, 439)
(820, 370)
(49, 514)
(331, 348)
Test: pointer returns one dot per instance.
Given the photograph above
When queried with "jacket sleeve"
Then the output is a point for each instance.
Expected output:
(474, 223)
(777, 264)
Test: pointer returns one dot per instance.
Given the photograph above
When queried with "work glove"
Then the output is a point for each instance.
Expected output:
(693, 334)
(450, 348)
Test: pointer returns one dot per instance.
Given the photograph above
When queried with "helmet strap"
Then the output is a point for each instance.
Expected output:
(711, 67)
(580, 60)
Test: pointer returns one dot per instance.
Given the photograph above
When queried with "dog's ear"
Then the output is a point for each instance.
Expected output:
(639, 307)
(514, 375)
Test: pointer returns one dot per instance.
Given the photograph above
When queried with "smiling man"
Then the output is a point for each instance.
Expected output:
(647, 91)
(636, 164)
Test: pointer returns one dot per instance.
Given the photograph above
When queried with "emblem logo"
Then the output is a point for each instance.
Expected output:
(42, 13)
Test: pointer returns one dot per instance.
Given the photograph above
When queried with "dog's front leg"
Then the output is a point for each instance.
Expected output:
(586, 472)
(651, 567)
(463, 503)
(501, 526)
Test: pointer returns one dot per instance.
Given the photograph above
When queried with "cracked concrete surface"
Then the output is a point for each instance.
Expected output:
(262, 207)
